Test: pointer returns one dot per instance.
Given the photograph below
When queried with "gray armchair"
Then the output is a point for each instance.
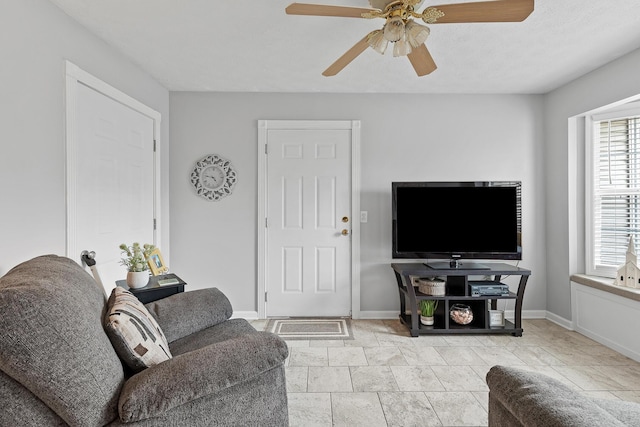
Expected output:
(58, 367)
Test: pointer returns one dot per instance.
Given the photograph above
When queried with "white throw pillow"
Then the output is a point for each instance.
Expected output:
(134, 333)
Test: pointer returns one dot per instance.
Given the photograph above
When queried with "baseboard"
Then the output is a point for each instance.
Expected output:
(509, 314)
(620, 348)
(393, 314)
(561, 321)
(531, 314)
(249, 315)
(369, 315)
(382, 315)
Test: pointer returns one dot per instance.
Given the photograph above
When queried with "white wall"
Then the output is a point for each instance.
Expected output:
(35, 39)
(404, 137)
(564, 171)
(437, 137)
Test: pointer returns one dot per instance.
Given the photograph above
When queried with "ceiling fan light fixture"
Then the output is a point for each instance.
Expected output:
(409, 37)
(377, 41)
(416, 34)
(393, 30)
(402, 47)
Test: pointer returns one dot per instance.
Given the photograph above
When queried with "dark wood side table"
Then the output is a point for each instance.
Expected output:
(158, 287)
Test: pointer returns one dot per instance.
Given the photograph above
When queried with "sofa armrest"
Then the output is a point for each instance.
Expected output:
(199, 373)
(187, 312)
(537, 400)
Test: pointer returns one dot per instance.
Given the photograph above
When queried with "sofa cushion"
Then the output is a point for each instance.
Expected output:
(134, 333)
(224, 331)
(53, 343)
(206, 307)
(211, 370)
(21, 408)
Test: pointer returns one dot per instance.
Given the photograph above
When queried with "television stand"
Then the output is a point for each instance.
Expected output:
(456, 264)
(458, 291)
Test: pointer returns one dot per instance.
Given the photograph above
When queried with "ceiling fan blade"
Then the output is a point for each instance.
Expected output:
(422, 61)
(345, 59)
(325, 10)
(485, 11)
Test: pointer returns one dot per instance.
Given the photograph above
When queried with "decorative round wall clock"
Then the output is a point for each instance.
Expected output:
(213, 177)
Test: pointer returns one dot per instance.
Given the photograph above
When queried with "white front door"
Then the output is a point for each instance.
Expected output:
(113, 188)
(309, 222)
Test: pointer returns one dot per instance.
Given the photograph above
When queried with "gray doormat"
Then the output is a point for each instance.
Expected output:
(311, 329)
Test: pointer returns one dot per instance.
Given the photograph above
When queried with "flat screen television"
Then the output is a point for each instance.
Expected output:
(456, 221)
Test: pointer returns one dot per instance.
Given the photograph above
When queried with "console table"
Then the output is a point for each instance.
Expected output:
(158, 287)
(458, 291)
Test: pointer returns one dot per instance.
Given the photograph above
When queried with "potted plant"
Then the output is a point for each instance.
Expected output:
(427, 310)
(135, 260)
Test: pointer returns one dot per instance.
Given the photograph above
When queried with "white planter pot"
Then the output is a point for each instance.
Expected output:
(427, 321)
(137, 279)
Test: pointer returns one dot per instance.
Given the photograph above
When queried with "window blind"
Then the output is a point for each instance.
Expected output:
(616, 207)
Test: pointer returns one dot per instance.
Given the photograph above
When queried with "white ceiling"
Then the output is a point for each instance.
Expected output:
(253, 46)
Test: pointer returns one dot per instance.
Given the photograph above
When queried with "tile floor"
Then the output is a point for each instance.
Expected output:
(384, 377)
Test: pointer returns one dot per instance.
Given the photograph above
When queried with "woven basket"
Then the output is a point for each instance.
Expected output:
(433, 286)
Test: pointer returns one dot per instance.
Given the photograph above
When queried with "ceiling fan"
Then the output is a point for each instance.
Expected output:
(407, 35)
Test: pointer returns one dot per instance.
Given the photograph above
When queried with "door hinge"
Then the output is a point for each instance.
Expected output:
(266, 149)
(265, 297)
(266, 223)
(155, 224)
(154, 145)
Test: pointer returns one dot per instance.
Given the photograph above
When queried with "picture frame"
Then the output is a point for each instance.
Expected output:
(156, 263)
(496, 318)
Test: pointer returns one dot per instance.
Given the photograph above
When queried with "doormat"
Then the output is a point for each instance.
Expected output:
(311, 329)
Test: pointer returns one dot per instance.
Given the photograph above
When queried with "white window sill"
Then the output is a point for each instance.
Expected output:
(606, 285)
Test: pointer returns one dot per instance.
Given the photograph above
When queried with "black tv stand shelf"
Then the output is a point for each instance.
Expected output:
(458, 291)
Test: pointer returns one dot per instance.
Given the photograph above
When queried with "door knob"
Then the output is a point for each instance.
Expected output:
(345, 232)
(88, 257)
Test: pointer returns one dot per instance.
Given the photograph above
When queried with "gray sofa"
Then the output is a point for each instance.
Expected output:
(523, 398)
(58, 367)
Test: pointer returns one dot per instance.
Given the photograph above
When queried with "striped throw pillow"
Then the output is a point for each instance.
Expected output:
(134, 333)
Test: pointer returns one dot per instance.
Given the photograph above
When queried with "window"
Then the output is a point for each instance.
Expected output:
(613, 189)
